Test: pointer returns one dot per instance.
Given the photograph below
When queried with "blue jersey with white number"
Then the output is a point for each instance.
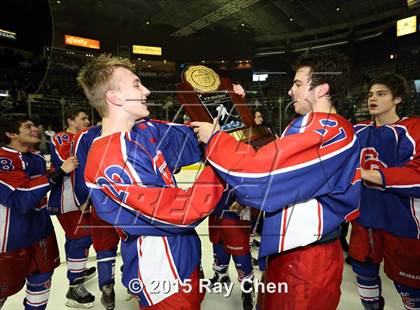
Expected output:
(23, 199)
(131, 183)
(307, 182)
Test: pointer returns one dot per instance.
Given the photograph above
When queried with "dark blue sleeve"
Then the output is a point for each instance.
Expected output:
(178, 144)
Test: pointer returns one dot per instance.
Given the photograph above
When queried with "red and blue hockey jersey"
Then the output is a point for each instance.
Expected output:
(130, 176)
(61, 198)
(307, 182)
(394, 150)
(82, 143)
(23, 199)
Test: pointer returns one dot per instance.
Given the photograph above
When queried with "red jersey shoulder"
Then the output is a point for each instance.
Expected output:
(336, 133)
(346, 124)
(80, 133)
(412, 124)
(62, 138)
(10, 160)
(63, 144)
(106, 149)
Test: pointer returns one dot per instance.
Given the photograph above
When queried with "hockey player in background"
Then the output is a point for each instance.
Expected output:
(72, 220)
(306, 182)
(130, 173)
(229, 232)
(389, 224)
(28, 246)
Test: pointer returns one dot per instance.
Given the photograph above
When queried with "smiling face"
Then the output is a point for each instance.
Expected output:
(79, 122)
(131, 92)
(301, 92)
(381, 101)
(27, 136)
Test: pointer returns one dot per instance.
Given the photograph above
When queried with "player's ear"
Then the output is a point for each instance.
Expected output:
(112, 97)
(398, 100)
(10, 135)
(323, 90)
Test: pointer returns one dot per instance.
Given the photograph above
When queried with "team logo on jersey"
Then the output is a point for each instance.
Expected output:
(369, 159)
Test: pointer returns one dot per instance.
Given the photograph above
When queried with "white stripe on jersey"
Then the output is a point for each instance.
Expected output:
(304, 123)
(4, 227)
(410, 138)
(302, 224)
(415, 212)
(285, 169)
(157, 268)
(130, 167)
(67, 198)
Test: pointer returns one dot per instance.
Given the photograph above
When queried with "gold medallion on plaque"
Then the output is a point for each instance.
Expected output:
(202, 78)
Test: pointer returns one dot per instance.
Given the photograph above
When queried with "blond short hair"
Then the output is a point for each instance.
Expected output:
(96, 79)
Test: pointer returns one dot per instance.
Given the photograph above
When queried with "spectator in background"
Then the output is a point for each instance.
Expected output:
(258, 119)
(49, 132)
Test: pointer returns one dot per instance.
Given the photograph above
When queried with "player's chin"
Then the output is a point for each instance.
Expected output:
(35, 140)
(145, 113)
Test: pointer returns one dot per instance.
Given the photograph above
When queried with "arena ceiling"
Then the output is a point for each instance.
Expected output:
(210, 28)
(265, 24)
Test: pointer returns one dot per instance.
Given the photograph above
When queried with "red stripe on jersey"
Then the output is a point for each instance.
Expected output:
(146, 294)
(319, 220)
(283, 232)
(168, 255)
(352, 215)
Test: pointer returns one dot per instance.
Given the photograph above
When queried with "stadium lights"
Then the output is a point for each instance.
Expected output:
(4, 93)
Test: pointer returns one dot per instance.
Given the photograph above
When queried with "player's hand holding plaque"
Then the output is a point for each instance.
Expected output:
(208, 98)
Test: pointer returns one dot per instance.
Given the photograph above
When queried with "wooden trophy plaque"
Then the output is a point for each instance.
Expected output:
(206, 97)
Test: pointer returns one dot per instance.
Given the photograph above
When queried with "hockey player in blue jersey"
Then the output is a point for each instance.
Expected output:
(389, 224)
(306, 182)
(129, 171)
(62, 204)
(105, 238)
(28, 246)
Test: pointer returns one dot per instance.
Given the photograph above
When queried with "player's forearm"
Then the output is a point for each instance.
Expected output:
(56, 177)
(403, 180)
(25, 197)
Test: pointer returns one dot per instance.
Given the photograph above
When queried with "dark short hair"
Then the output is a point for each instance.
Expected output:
(11, 124)
(328, 67)
(396, 83)
(73, 113)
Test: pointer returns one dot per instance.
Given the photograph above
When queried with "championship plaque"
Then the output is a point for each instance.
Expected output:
(206, 97)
